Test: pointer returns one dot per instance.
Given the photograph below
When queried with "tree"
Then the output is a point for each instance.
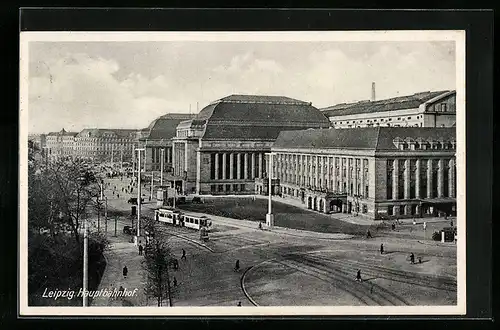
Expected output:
(59, 195)
(156, 263)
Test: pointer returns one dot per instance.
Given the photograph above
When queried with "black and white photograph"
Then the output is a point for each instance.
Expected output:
(242, 173)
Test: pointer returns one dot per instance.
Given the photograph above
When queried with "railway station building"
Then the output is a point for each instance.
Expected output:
(426, 109)
(222, 149)
(157, 137)
(378, 172)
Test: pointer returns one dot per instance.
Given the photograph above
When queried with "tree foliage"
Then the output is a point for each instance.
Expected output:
(59, 194)
(156, 265)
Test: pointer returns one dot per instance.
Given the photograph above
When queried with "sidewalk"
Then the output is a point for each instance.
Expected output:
(122, 253)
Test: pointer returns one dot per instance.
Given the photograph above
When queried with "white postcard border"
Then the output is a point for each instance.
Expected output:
(429, 35)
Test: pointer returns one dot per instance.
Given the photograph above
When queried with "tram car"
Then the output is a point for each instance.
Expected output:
(169, 216)
(176, 218)
(197, 222)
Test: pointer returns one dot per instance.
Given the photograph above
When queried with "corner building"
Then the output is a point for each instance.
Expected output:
(379, 172)
(222, 150)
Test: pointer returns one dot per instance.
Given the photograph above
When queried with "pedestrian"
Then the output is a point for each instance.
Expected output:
(239, 303)
(260, 225)
(419, 260)
(140, 249)
(117, 195)
(382, 248)
(425, 225)
(175, 281)
(393, 226)
(125, 271)
(368, 234)
(358, 276)
(412, 258)
(183, 254)
(237, 266)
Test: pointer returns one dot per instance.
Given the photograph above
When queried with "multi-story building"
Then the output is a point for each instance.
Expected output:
(157, 140)
(105, 145)
(38, 140)
(60, 144)
(221, 150)
(380, 172)
(427, 109)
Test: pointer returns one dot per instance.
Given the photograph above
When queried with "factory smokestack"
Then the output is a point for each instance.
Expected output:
(373, 91)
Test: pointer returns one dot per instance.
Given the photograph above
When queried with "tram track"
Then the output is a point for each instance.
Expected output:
(346, 281)
(443, 283)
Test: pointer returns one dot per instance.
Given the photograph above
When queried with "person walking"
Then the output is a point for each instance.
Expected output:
(368, 234)
(237, 266)
(412, 258)
(140, 249)
(260, 225)
(175, 281)
(425, 225)
(358, 276)
(183, 254)
(239, 304)
(125, 271)
(382, 248)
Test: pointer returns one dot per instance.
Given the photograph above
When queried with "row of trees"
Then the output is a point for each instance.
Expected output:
(61, 194)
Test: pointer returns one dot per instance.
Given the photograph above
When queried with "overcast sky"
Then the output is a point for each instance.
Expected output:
(76, 85)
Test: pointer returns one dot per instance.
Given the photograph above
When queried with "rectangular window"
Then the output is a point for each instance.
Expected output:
(213, 188)
(242, 187)
(221, 188)
(401, 182)
(235, 187)
(212, 166)
(389, 178)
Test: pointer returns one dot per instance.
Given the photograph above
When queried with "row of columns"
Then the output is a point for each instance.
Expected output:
(156, 154)
(430, 183)
(359, 167)
(248, 159)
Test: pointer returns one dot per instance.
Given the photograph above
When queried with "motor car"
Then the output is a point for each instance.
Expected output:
(133, 200)
(127, 230)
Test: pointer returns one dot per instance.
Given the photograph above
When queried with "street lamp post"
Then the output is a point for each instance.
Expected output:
(106, 216)
(85, 262)
(138, 195)
(269, 215)
(162, 159)
(151, 193)
(85, 249)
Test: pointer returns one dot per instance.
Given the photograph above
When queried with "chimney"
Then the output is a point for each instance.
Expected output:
(373, 91)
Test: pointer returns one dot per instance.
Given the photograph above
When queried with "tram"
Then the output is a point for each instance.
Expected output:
(176, 218)
(196, 222)
(169, 216)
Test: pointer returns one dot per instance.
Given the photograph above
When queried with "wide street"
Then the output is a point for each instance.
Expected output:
(286, 266)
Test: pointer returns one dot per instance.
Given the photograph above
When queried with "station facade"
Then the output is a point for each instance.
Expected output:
(157, 140)
(382, 173)
(222, 150)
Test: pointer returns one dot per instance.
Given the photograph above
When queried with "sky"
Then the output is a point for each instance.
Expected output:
(77, 85)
